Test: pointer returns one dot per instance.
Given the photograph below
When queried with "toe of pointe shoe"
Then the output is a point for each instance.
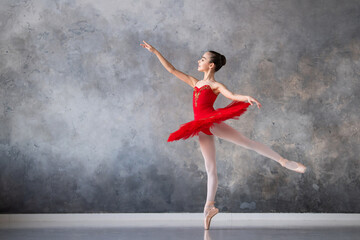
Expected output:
(208, 218)
(294, 166)
(300, 168)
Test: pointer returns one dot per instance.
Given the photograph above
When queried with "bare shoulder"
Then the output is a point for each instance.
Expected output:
(220, 84)
(217, 86)
(221, 88)
(193, 80)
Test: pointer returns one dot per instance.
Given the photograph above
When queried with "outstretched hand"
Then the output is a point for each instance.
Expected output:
(148, 46)
(251, 100)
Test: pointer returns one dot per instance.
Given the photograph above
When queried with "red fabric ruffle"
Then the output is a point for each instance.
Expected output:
(232, 111)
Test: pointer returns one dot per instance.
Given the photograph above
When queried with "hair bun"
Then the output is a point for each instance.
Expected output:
(218, 59)
(223, 60)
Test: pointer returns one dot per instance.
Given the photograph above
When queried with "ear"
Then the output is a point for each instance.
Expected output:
(211, 65)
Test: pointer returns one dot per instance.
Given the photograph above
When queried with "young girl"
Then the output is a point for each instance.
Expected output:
(208, 121)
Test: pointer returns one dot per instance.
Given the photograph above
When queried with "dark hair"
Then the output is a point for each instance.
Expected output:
(218, 59)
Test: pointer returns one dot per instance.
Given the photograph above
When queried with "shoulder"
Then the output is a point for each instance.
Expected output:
(221, 88)
(217, 85)
(193, 80)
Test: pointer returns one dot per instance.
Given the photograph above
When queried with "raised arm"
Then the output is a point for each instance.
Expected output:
(171, 69)
(235, 97)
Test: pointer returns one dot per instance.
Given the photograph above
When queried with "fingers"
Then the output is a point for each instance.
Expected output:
(251, 99)
(259, 105)
(145, 44)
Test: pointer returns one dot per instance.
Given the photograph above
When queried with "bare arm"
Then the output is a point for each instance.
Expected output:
(169, 67)
(236, 97)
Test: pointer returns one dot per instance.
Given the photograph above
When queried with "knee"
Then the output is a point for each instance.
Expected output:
(211, 171)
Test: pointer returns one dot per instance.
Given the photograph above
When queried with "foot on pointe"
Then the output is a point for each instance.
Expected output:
(210, 211)
(291, 165)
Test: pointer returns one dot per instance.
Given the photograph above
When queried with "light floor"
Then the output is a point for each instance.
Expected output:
(188, 233)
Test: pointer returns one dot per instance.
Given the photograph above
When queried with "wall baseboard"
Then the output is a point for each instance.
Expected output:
(222, 220)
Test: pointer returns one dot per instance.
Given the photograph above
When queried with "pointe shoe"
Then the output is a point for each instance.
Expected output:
(294, 166)
(210, 212)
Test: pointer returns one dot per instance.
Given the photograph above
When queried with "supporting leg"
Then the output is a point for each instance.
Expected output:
(207, 146)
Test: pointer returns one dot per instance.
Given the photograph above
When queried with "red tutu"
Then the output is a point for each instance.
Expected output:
(205, 115)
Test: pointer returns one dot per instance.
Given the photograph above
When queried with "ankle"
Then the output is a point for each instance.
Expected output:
(283, 161)
(209, 203)
(208, 206)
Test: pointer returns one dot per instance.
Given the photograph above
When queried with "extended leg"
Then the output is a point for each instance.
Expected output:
(228, 133)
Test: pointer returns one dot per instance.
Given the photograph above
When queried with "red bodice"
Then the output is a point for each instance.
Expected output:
(203, 101)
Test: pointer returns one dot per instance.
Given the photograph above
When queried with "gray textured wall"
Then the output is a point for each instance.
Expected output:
(85, 111)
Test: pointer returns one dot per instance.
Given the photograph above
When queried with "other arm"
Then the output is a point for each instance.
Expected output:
(236, 97)
(169, 67)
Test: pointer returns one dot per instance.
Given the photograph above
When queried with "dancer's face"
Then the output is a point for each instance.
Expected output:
(204, 63)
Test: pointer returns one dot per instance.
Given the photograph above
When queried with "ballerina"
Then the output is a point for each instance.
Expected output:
(209, 122)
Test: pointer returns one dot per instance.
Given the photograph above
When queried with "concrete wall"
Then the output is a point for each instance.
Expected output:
(85, 111)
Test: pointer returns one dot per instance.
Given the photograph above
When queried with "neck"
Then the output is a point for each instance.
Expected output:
(209, 75)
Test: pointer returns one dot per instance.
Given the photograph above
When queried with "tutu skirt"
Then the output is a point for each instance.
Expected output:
(190, 129)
